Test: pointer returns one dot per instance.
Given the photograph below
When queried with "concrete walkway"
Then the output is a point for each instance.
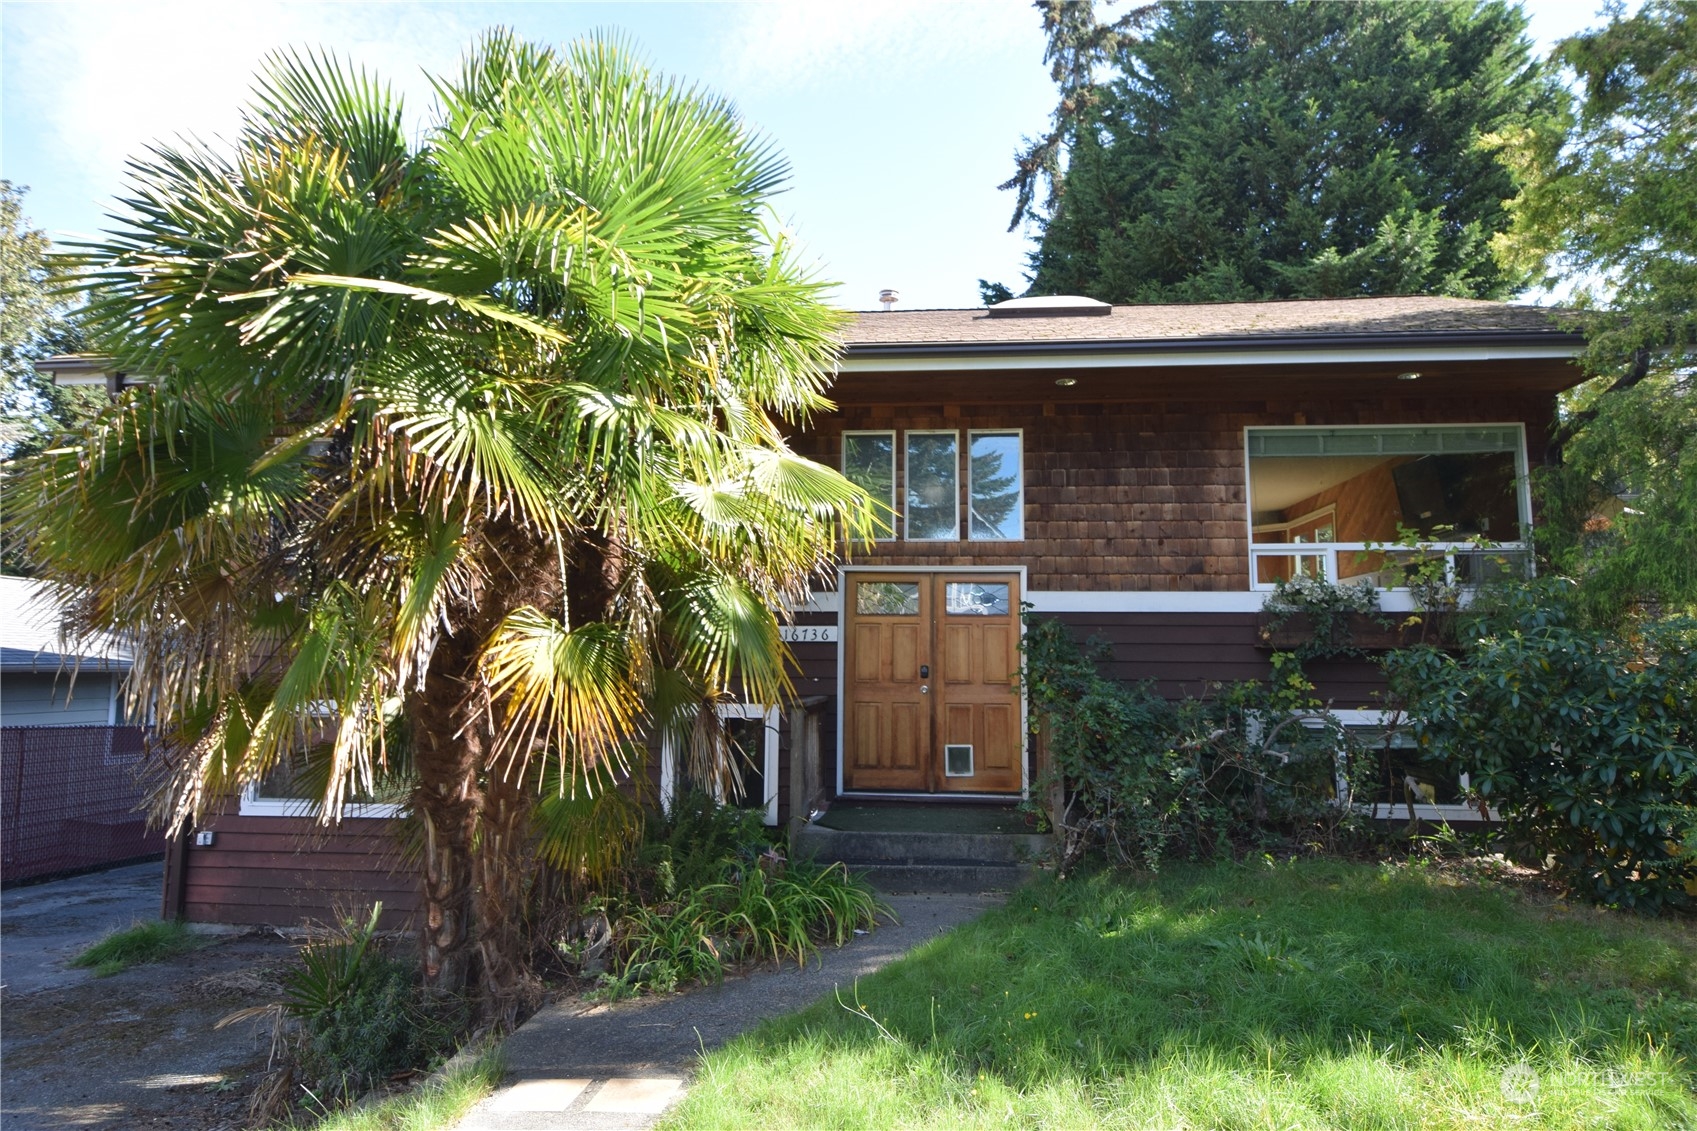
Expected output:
(575, 1066)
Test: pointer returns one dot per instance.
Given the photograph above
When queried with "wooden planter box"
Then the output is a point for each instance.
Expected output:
(1358, 630)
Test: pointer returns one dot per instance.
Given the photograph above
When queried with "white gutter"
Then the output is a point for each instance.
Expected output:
(1271, 354)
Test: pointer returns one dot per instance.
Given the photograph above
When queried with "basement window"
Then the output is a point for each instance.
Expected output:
(285, 793)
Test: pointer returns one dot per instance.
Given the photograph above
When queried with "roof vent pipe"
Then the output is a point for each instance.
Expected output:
(889, 297)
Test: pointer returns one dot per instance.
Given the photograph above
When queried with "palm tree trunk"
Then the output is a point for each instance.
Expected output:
(447, 799)
(501, 868)
(476, 822)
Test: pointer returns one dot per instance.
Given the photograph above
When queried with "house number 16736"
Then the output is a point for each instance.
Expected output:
(808, 633)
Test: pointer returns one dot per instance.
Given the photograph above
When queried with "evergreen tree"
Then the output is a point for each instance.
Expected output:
(1610, 206)
(34, 322)
(1242, 151)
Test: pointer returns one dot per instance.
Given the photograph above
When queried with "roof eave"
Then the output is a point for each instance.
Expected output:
(1238, 344)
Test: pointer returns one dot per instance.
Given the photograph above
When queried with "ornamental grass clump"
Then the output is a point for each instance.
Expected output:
(351, 1016)
(710, 892)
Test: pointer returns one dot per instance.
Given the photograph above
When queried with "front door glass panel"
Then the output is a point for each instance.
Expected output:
(886, 599)
(976, 599)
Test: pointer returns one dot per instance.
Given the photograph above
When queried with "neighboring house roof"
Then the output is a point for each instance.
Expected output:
(30, 636)
(87, 369)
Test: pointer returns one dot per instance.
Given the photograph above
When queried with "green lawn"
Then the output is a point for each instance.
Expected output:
(1313, 994)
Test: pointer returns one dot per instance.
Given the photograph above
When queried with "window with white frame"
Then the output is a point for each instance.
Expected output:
(288, 791)
(751, 740)
(1325, 501)
(1398, 783)
(932, 512)
(995, 490)
(934, 483)
(869, 462)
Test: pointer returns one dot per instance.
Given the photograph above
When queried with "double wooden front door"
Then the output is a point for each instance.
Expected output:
(931, 694)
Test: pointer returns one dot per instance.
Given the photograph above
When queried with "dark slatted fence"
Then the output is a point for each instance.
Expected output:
(69, 799)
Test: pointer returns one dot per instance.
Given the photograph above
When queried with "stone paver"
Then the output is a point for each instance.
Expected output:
(578, 1066)
(540, 1095)
(648, 1096)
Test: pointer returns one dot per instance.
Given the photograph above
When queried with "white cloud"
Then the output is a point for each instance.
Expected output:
(108, 79)
(768, 47)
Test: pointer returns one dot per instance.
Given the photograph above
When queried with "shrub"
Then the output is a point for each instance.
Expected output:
(1579, 741)
(1145, 780)
(699, 842)
(1331, 609)
(361, 1013)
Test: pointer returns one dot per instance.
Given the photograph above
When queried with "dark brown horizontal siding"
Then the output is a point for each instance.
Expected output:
(1184, 653)
(285, 871)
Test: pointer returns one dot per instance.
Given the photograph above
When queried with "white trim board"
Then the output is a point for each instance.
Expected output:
(253, 805)
(1271, 354)
(1107, 600)
(1111, 601)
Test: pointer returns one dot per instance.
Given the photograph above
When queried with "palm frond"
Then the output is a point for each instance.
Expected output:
(573, 692)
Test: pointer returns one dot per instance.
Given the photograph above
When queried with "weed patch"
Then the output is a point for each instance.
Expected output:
(144, 942)
(435, 1104)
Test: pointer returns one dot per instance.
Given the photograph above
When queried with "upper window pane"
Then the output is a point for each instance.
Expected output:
(933, 485)
(1362, 484)
(994, 496)
(869, 462)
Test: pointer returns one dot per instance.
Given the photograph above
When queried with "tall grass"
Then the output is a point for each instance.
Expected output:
(752, 917)
(438, 1103)
(1315, 994)
(138, 944)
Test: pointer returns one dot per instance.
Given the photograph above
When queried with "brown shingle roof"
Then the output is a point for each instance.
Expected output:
(1199, 322)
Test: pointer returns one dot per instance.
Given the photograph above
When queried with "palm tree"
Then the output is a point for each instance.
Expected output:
(465, 458)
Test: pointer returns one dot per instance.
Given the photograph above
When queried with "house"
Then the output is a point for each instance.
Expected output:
(68, 756)
(1146, 473)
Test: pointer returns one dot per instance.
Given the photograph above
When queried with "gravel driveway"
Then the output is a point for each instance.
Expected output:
(136, 1050)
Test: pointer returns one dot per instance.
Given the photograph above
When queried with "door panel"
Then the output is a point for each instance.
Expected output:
(887, 719)
(977, 696)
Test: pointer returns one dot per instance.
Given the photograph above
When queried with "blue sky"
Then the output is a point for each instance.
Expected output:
(899, 119)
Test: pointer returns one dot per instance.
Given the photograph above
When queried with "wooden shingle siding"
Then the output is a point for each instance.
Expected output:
(1138, 497)
(286, 871)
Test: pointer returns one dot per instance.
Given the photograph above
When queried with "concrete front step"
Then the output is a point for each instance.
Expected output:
(923, 862)
(901, 879)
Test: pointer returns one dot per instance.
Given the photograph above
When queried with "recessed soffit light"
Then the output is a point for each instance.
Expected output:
(1066, 382)
(1409, 375)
